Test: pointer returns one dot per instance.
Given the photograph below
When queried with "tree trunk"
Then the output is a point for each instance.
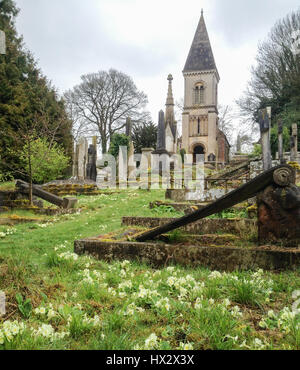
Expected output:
(104, 145)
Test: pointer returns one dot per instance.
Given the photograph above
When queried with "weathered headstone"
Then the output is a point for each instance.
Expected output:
(280, 142)
(82, 158)
(294, 143)
(265, 126)
(91, 170)
(131, 161)
(2, 304)
(161, 134)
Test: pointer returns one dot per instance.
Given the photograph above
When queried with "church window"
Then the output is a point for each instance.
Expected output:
(199, 126)
(199, 94)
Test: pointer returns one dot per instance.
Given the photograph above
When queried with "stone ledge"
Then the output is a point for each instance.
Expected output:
(215, 258)
(237, 226)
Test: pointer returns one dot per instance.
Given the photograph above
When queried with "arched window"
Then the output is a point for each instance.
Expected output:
(199, 94)
(199, 126)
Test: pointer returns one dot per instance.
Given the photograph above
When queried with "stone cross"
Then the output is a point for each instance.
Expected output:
(161, 134)
(265, 126)
(280, 142)
(2, 43)
(294, 143)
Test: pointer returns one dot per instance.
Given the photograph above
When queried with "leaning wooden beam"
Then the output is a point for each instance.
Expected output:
(282, 175)
(51, 198)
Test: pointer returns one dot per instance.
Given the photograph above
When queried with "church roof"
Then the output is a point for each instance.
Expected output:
(200, 57)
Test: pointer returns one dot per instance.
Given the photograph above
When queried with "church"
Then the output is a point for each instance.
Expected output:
(200, 131)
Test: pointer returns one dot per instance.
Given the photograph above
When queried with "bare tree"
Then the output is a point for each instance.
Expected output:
(103, 101)
(275, 78)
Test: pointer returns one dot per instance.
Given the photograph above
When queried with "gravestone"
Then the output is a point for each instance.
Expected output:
(280, 142)
(161, 133)
(91, 170)
(82, 155)
(265, 126)
(294, 143)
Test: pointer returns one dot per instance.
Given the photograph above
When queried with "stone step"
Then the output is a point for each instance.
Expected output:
(235, 226)
(205, 240)
(222, 258)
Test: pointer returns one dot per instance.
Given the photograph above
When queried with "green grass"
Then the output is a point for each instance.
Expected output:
(91, 304)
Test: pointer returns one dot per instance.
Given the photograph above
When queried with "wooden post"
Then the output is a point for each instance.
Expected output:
(265, 125)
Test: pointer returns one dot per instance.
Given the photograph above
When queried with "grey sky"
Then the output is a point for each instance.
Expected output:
(147, 39)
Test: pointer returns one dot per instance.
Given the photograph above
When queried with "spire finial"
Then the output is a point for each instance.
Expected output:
(202, 12)
(170, 78)
(170, 100)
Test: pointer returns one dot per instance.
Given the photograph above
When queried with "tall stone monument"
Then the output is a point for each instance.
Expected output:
(294, 143)
(265, 126)
(280, 142)
(91, 170)
(82, 158)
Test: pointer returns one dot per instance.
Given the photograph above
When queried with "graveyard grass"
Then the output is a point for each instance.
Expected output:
(57, 300)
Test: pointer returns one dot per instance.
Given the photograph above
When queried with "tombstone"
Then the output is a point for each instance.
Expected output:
(161, 133)
(158, 154)
(280, 142)
(2, 304)
(123, 166)
(294, 143)
(265, 126)
(82, 149)
(131, 161)
(2, 43)
(91, 170)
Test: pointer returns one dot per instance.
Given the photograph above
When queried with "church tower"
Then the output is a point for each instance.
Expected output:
(200, 114)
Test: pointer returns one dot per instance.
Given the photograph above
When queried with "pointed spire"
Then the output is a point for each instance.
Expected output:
(200, 57)
(170, 113)
(170, 99)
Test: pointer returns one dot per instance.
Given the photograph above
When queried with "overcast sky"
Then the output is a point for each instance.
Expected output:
(147, 39)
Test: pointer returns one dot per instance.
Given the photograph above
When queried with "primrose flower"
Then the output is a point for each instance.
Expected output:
(186, 346)
(151, 342)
